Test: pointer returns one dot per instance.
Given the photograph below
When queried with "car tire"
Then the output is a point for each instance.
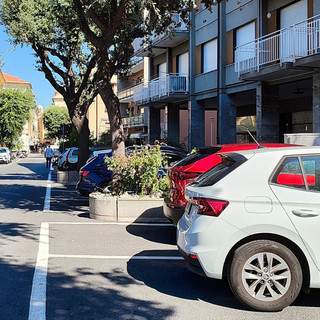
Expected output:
(65, 166)
(265, 275)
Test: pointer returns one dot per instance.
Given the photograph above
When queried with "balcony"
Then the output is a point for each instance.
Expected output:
(126, 95)
(136, 121)
(286, 52)
(179, 34)
(167, 88)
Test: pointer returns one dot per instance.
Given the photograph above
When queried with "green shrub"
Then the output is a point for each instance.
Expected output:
(141, 172)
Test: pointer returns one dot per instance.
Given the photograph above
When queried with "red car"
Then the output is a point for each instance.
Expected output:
(191, 167)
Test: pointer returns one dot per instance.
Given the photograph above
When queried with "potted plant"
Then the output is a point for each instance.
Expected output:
(136, 191)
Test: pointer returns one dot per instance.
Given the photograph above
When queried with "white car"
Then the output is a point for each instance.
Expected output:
(5, 155)
(255, 219)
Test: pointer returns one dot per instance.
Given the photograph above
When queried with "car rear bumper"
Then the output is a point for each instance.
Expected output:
(172, 211)
(85, 188)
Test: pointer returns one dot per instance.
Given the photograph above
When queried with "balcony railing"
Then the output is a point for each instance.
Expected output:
(285, 45)
(161, 87)
(126, 93)
(134, 121)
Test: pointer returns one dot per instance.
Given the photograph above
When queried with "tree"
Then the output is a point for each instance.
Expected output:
(15, 107)
(111, 26)
(53, 118)
(55, 28)
(51, 28)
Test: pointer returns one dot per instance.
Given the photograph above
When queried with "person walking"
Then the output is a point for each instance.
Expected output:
(48, 154)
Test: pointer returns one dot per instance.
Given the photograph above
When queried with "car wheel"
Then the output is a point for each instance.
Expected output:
(265, 275)
(65, 166)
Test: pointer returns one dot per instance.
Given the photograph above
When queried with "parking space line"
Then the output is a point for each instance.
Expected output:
(46, 206)
(37, 309)
(80, 256)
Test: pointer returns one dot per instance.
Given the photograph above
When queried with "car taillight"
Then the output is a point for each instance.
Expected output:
(209, 207)
(193, 256)
(188, 175)
(84, 173)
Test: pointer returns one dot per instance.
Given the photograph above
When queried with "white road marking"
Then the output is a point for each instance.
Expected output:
(46, 206)
(83, 256)
(37, 309)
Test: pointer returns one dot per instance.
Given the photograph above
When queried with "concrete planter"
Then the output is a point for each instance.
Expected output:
(68, 177)
(126, 209)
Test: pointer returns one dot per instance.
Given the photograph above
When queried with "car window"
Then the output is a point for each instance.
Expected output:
(311, 167)
(2, 150)
(75, 152)
(227, 165)
(291, 174)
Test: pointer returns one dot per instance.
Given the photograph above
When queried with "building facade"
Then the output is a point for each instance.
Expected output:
(248, 64)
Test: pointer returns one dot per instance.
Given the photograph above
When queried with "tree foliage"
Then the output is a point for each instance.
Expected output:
(15, 108)
(51, 28)
(81, 44)
(110, 26)
(53, 118)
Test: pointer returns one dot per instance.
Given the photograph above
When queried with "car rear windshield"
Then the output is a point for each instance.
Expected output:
(199, 155)
(228, 164)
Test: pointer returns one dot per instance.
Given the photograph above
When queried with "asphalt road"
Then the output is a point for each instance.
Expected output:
(71, 267)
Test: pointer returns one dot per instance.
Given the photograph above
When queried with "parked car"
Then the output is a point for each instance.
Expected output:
(172, 154)
(193, 166)
(62, 158)
(254, 218)
(5, 155)
(69, 159)
(96, 175)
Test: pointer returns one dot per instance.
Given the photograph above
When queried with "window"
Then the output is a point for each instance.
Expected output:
(291, 174)
(245, 36)
(311, 167)
(183, 64)
(209, 56)
(162, 69)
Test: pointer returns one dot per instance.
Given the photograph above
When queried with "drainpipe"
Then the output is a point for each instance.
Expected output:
(192, 72)
(219, 80)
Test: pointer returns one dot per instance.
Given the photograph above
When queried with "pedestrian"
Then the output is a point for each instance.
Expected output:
(48, 154)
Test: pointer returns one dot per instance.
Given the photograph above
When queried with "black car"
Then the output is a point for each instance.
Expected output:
(94, 174)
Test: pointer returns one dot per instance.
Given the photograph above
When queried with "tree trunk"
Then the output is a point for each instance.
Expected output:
(112, 104)
(82, 126)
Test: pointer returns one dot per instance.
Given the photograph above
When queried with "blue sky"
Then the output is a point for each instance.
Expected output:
(21, 63)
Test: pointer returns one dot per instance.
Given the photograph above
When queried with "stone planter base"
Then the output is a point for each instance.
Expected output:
(126, 209)
(68, 177)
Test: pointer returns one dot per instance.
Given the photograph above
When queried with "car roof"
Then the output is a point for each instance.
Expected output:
(280, 151)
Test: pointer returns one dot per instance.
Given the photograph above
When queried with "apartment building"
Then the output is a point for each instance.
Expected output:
(247, 63)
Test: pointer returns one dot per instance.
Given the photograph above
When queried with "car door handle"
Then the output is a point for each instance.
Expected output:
(305, 213)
